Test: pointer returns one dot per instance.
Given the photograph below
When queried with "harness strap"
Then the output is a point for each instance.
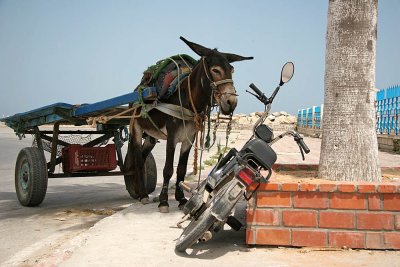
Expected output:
(169, 109)
(173, 110)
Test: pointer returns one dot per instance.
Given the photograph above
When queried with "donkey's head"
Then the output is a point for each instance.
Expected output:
(218, 72)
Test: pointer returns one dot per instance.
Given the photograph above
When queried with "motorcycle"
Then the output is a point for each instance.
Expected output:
(234, 176)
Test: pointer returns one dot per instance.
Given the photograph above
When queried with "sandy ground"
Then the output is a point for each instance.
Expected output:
(93, 222)
(139, 236)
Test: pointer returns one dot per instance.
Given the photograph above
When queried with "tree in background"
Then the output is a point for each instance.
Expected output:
(349, 148)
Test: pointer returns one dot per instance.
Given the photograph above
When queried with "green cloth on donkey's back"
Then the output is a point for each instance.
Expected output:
(157, 68)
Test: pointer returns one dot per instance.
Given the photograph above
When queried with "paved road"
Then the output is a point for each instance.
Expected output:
(70, 205)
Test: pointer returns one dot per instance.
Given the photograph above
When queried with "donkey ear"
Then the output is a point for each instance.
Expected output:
(198, 49)
(232, 57)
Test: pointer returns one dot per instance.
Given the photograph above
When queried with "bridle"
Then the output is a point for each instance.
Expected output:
(214, 85)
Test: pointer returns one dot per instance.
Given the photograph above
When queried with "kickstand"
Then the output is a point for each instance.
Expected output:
(184, 219)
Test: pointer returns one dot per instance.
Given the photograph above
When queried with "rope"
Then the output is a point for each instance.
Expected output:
(146, 113)
(201, 156)
(184, 61)
(134, 116)
(196, 119)
(195, 158)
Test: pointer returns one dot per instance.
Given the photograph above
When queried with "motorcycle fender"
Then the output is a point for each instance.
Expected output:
(223, 205)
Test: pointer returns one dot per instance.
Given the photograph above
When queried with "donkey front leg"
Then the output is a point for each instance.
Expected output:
(167, 173)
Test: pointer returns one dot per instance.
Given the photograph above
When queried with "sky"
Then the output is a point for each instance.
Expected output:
(87, 51)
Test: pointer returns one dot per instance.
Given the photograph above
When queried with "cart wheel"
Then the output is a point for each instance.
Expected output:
(31, 176)
(150, 177)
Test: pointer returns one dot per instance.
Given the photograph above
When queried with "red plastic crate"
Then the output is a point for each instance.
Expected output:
(77, 158)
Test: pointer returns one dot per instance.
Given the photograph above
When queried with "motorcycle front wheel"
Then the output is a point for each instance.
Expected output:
(195, 230)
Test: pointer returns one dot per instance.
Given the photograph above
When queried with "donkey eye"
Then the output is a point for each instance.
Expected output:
(216, 71)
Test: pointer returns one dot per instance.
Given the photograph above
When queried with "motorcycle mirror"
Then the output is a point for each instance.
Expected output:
(286, 73)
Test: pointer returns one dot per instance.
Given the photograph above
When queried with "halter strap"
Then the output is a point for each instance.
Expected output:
(213, 84)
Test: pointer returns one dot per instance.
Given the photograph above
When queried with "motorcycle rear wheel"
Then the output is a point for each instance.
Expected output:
(195, 230)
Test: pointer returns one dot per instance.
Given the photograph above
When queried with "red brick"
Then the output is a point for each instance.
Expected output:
(347, 201)
(392, 240)
(342, 220)
(310, 200)
(327, 187)
(273, 237)
(375, 221)
(263, 217)
(387, 188)
(290, 186)
(346, 188)
(346, 239)
(374, 202)
(274, 199)
(308, 187)
(374, 240)
(310, 238)
(366, 188)
(250, 237)
(299, 218)
(397, 222)
(269, 186)
(391, 202)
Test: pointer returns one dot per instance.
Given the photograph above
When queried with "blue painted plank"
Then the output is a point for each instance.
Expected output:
(114, 102)
(63, 111)
(43, 111)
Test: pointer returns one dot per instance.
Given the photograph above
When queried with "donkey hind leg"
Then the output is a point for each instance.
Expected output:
(181, 172)
(167, 173)
(129, 169)
(140, 188)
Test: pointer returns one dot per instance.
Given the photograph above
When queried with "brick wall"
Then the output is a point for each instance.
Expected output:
(325, 214)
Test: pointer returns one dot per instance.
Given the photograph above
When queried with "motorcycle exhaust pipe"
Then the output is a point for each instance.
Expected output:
(206, 236)
(185, 187)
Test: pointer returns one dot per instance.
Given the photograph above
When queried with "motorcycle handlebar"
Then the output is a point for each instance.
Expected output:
(256, 90)
(260, 96)
(304, 146)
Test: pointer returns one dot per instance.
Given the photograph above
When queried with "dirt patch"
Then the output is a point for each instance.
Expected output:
(74, 213)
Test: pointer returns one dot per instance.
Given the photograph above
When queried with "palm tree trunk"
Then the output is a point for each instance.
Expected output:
(349, 148)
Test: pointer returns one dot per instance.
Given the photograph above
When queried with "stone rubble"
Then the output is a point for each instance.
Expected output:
(277, 120)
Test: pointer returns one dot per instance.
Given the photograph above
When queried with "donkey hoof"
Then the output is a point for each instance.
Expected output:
(182, 203)
(163, 207)
(145, 200)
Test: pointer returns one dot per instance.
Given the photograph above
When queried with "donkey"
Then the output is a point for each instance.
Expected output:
(210, 79)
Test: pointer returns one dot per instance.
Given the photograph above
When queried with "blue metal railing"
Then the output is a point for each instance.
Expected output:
(310, 117)
(387, 112)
